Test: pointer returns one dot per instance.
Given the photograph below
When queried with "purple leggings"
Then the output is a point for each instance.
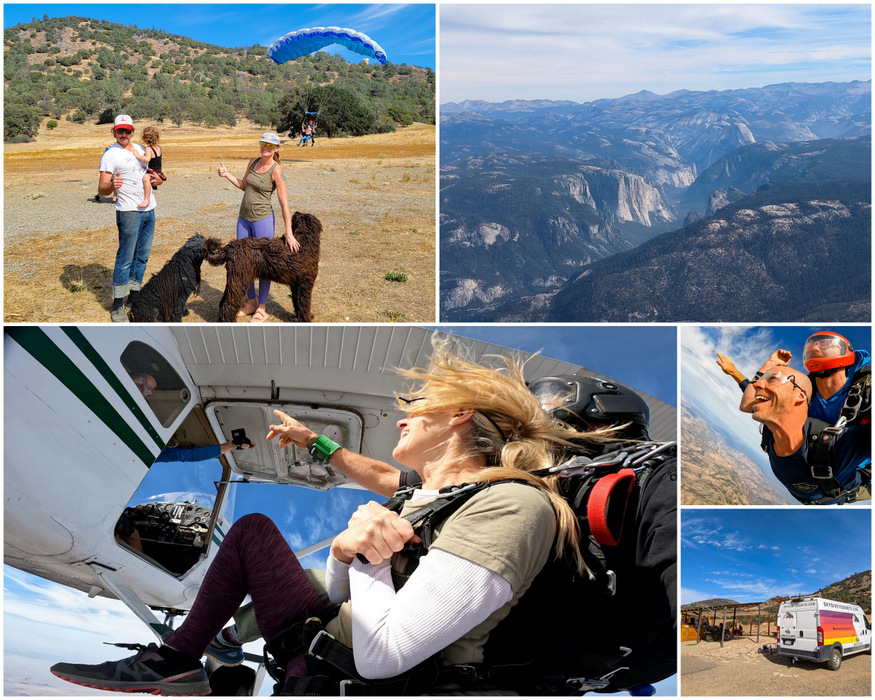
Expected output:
(257, 229)
(256, 559)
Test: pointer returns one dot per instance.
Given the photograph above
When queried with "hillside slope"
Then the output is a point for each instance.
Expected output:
(82, 69)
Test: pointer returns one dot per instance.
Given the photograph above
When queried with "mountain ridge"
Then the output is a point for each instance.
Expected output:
(656, 165)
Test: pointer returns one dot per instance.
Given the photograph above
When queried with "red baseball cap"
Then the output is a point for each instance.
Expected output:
(123, 120)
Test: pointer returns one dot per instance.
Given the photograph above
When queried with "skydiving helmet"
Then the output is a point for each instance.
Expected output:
(826, 352)
(581, 401)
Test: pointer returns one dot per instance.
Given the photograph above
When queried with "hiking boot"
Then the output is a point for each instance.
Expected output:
(145, 672)
(118, 313)
(225, 655)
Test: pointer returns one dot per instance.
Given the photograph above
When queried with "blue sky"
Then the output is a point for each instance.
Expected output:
(642, 357)
(750, 555)
(710, 394)
(406, 32)
(584, 52)
(41, 617)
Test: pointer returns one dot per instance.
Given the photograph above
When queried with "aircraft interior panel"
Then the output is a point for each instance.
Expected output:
(289, 465)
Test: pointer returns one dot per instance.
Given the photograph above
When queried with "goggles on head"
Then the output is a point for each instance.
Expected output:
(781, 376)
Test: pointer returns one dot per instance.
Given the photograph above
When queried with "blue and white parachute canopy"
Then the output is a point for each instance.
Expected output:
(305, 41)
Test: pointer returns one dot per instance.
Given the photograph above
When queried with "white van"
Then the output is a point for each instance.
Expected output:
(818, 629)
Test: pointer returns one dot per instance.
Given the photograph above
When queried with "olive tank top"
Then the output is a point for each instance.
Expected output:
(256, 197)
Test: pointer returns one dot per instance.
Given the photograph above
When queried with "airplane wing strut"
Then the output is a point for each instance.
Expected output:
(125, 594)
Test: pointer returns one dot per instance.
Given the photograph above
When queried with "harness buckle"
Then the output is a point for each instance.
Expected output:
(853, 403)
(348, 685)
(612, 582)
(586, 684)
(821, 471)
(320, 642)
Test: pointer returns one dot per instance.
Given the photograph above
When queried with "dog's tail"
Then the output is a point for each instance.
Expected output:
(217, 254)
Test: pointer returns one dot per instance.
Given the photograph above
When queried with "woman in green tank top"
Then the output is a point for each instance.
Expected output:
(263, 177)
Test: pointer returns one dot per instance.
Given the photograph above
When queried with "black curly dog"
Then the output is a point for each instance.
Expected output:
(164, 296)
(249, 259)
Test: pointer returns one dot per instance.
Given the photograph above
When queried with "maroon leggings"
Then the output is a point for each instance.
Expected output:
(256, 559)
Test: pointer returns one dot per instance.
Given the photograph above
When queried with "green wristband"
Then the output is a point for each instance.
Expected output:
(322, 449)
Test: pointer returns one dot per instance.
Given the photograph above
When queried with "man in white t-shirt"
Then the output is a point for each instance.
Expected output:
(120, 171)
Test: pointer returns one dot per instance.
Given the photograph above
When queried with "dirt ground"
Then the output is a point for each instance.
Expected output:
(739, 669)
(375, 196)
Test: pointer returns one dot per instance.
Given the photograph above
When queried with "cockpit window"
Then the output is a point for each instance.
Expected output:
(156, 381)
(168, 519)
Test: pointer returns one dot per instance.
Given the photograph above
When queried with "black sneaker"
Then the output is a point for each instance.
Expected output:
(145, 672)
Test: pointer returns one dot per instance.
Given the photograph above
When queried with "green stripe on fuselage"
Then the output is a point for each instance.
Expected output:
(218, 535)
(35, 341)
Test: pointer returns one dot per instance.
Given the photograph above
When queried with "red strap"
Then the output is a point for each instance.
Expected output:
(600, 503)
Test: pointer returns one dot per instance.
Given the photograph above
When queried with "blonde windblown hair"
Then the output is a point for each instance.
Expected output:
(509, 428)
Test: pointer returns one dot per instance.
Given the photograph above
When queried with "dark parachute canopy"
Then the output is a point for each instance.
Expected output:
(305, 41)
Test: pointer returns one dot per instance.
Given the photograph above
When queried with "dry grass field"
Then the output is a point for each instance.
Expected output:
(375, 196)
(739, 669)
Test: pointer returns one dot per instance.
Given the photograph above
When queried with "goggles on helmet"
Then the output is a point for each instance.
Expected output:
(827, 351)
(553, 393)
(582, 401)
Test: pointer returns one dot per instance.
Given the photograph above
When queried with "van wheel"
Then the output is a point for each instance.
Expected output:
(835, 660)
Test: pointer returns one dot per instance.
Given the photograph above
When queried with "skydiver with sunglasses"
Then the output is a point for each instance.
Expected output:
(795, 410)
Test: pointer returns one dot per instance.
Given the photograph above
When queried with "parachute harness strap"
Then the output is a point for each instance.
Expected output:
(823, 436)
(604, 507)
(820, 441)
(859, 399)
(610, 496)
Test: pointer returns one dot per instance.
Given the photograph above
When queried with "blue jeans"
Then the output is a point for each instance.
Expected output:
(135, 231)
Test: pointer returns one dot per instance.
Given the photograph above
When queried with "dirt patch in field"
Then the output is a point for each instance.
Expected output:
(375, 196)
(740, 669)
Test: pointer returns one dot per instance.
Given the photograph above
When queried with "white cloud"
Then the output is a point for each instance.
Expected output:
(733, 588)
(700, 532)
(45, 623)
(691, 595)
(585, 52)
(710, 394)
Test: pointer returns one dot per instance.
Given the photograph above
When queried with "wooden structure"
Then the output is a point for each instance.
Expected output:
(722, 623)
